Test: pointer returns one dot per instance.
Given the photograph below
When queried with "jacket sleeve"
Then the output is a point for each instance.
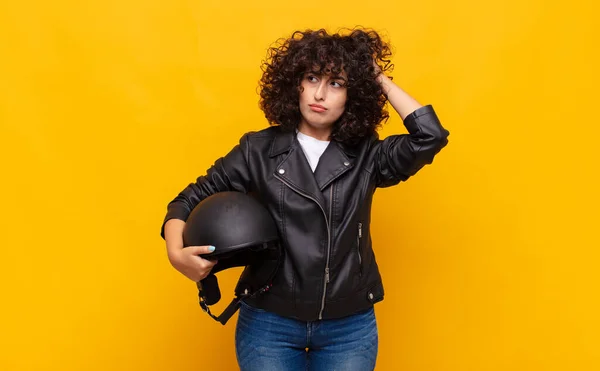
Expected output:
(228, 173)
(398, 157)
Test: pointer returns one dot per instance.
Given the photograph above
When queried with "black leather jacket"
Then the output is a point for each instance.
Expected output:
(329, 268)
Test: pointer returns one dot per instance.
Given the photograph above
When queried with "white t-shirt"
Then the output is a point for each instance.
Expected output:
(313, 148)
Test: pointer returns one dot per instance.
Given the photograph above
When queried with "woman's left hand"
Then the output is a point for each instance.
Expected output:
(381, 78)
(377, 69)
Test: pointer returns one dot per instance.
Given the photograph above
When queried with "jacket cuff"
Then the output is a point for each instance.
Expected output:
(173, 214)
(411, 121)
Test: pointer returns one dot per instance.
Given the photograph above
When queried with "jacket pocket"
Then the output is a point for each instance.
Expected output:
(358, 250)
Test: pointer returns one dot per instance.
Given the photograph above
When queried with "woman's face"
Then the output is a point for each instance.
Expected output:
(322, 102)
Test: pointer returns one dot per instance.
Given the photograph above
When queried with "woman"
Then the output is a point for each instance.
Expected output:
(316, 168)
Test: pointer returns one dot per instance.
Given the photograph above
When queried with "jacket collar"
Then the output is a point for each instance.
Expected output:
(296, 172)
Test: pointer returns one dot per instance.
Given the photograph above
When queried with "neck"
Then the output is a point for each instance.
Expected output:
(320, 134)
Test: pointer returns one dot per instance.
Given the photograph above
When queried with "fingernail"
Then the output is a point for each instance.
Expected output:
(211, 248)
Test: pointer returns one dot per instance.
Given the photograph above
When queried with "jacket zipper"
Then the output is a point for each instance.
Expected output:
(328, 246)
(358, 247)
(326, 281)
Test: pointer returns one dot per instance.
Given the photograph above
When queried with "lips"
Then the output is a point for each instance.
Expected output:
(317, 108)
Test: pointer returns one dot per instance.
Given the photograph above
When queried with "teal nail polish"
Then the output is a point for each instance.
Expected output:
(211, 248)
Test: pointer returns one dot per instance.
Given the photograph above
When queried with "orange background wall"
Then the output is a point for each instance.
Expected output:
(109, 108)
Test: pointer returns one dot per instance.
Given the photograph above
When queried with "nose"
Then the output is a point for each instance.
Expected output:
(321, 90)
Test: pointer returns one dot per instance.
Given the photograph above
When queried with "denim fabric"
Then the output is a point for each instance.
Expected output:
(268, 342)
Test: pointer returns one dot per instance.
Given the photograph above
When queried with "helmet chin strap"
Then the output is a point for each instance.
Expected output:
(232, 307)
(209, 289)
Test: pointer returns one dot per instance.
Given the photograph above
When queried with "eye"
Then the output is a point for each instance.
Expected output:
(311, 78)
(337, 84)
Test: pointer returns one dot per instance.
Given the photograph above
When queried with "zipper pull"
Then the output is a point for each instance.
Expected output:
(327, 275)
(359, 230)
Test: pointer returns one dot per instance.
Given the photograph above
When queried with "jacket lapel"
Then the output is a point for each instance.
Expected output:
(295, 170)
(333, 163)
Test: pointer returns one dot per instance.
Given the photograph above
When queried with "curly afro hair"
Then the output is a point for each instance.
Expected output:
(353, 52)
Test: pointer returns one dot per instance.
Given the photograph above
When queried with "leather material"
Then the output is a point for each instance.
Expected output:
(329, 268)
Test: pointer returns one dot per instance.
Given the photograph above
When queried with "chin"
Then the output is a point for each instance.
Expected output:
(320, 122)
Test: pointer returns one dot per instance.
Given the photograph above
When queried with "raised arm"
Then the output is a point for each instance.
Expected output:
(401, 156)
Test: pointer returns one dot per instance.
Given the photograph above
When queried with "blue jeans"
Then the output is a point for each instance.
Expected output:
(265, 341)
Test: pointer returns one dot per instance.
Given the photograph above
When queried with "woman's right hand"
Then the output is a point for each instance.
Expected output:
(188, 263)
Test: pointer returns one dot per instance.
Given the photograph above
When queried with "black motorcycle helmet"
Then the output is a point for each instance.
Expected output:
(244, 235)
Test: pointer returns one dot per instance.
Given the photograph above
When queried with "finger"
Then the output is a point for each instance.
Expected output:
(212, 263)
(198, 250)
(205, 263)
